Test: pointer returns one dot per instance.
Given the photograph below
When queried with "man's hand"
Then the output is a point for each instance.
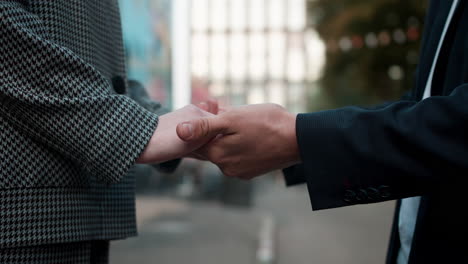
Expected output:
(165, 145)
(248, 140)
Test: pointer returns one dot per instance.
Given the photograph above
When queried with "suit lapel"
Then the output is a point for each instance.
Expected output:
(435, 22)
(440, 73)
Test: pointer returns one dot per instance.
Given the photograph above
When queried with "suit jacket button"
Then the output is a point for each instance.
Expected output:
(349, 196)
(373, 194)
(362, 195)
(118, 83)
(384, 191)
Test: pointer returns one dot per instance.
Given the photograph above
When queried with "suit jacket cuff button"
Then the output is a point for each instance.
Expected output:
(349, 196)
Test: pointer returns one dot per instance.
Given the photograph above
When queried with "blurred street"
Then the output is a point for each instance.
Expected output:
(180, 231)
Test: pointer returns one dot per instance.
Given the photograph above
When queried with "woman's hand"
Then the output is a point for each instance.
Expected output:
(165, 145)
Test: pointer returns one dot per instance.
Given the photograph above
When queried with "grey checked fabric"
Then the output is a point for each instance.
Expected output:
(69, 133)
(58, 59)
(50, 215)
(93, 252)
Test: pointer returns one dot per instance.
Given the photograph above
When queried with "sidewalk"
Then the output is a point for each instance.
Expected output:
(176, 231)
(348, 235)
(196, 233)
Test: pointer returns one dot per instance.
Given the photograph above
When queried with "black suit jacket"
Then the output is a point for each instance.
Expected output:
(407, 148)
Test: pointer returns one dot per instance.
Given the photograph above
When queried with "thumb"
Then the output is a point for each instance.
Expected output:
(201, 129)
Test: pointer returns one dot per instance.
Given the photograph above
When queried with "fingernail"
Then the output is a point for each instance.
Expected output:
(203, 105)
(187, 129)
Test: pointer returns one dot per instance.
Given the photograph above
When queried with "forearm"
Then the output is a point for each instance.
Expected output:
(55, 97)
(407, 148)
(296, 174)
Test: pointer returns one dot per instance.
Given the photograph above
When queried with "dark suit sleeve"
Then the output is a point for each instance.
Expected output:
(53, 96)
(354, 155)
(294, 175)
(137, 92)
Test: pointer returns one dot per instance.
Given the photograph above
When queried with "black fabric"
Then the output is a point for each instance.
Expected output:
(394, 245)
(294, 175)
(407, 148)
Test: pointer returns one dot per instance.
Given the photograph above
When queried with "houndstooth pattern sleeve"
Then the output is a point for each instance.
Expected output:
(55, 96)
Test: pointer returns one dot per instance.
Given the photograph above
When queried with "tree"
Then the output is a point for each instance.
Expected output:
(372, 47)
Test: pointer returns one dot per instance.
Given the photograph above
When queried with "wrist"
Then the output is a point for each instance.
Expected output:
(291, 151)
(295, 153)
(153, 153)
(147, 156)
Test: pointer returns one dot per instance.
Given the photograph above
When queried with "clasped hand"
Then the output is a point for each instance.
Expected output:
(243, 142)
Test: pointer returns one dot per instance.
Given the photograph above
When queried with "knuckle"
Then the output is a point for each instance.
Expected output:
(204, 127)
(214, 159)
(214, 155)
(203, 153)
(229, 172)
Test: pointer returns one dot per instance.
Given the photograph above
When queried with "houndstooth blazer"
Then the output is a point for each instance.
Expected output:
(69, 134)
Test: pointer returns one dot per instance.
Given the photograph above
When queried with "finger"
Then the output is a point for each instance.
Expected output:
(212, 151)
(197, 156)
(202, 129)
(213, 106)
(210, 106)
(204, 106)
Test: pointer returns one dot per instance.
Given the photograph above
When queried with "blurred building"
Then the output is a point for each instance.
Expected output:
(254, 51)
(147, 36)
(239, 51)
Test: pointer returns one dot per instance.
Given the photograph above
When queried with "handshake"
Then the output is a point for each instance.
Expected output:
(243, 142)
